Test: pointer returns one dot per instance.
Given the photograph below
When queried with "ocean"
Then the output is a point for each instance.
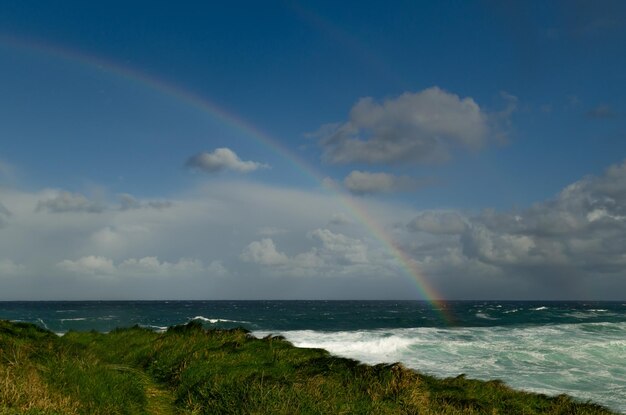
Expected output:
(578, 348)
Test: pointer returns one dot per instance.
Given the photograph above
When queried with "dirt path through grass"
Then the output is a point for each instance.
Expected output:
(160, 401)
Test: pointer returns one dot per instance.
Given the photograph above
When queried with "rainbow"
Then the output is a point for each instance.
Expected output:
(427, 292)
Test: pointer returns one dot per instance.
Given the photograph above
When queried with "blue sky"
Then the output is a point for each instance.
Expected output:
(484, 140)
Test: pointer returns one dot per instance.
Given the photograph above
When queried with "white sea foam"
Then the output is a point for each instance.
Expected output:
(158, 329)
(580, 315)
(216, 320)
(540, 308)
(584, 360)
(485, 316)
(383, 345)
(63, 320)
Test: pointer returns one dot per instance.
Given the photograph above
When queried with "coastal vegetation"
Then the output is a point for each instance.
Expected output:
(190, 370)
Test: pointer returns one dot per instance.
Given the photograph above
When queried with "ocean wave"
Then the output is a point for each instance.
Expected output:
(540, 308)
(63, 320)
(217, 320)
(349, 344)
(515, 310)
(485, 316)
(158, 329)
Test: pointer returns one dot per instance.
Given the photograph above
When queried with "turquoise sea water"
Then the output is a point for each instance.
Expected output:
(578, 348)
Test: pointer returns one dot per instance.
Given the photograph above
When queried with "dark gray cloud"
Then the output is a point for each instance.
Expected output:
(425, 126)
(69, 202)
(566, 242)
(222, 159)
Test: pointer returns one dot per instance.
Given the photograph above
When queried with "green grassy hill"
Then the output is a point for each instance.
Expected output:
(189, 370)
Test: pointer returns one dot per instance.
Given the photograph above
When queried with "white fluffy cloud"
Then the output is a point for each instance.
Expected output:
(263, 252)
(362, 183)
(89, 265)
(333, 254)
(341, 248)
(421, 126)
(222, 159)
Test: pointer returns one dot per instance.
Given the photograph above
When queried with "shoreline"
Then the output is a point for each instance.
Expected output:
(231, 371)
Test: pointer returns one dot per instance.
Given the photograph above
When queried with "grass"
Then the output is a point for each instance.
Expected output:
(189, 370)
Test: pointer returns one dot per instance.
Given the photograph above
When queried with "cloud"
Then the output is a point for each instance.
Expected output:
(263, 252)
(414, 127)
(149, 266)
(335, 254)
(89, 265)
(339, 219)
(8, 268)
(214, 220)
(340, 247)
(6, 169)
(438, 223)
(565, 247)
(217, 268)
(601, 112)
(64, 201)
(222, 159)
(152, 266)
(129, 202)
(4, 214)
(362, 183)
(570, 246)
(330, 184)
(271, 231)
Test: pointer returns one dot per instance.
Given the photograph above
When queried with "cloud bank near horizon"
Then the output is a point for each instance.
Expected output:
(239, 239)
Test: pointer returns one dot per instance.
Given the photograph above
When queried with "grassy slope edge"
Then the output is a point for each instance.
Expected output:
(189, 370)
